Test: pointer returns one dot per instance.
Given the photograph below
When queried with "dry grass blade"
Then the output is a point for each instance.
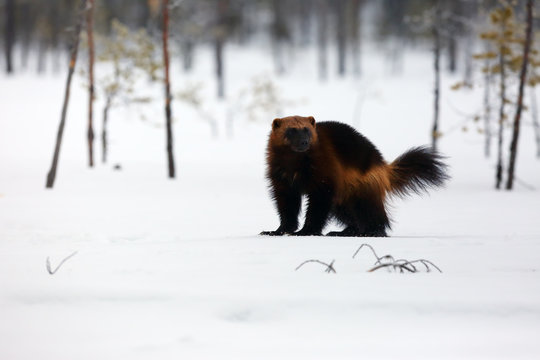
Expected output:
(395, 266)
(403, 265)
(48, 263)
(427, 264)
(379, 258)
(329, 267)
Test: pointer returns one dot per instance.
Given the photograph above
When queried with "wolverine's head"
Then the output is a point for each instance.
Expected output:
(295, 132)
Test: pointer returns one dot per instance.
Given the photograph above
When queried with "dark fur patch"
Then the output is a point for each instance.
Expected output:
(417, 170)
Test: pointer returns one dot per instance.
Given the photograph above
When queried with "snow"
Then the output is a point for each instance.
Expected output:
(175, 268)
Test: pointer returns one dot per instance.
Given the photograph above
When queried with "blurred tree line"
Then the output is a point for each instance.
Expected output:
(41, 28)
(451, 29)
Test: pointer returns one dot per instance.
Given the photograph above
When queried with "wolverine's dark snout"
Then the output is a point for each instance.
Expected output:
(299, 139)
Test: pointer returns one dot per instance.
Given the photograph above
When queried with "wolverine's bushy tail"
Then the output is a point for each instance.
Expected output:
(417, 170)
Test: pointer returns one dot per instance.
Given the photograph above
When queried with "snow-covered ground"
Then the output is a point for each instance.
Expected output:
(169, 269)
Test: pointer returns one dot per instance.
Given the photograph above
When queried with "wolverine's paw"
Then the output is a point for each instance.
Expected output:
(376, 233)
(347, 232)
(273, 233)
(336, 233)
(306, 233)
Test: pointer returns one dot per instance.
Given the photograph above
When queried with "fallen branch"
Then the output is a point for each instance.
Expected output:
(48, 263)
(329, 267)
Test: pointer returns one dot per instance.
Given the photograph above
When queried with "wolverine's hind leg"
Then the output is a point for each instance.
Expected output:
(348, 231)
(346, 214)
(372, 213)
(362, 217)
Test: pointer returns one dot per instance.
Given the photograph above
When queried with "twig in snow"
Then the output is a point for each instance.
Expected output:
(524, 184)
(407, 265)
(329, 267)
(379, 258)
(395, 266)
(399, 264)
(48, 263)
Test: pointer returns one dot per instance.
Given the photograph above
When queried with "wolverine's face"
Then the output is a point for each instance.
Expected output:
(295, 132)
(298, 138)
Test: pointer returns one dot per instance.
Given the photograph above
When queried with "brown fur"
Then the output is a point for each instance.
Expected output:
(341, 173)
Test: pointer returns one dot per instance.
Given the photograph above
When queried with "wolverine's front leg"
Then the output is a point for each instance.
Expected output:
(288, 200)
(319, 205)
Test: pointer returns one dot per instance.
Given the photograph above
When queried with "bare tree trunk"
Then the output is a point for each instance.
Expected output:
(91, 55)
(56, 48)
(452, 54)
(356, 23)
(26, 33)
(219, 43)
(536, 125)
(9, 34)
(168, 97)
(219, 67)
(437, 73)
(304, 12)
(519, 107)
(341, 36)
(499, 169)
(73, 60)
(187, 48)
(487, 111)
(104, 136)
(471, 13)
(41, 56)
(322, 38)
(280, 34)
(469, 42)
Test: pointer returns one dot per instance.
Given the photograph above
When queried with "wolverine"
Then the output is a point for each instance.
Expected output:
(342, 174)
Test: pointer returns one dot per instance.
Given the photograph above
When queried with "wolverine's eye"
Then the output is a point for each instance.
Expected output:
(305, 130)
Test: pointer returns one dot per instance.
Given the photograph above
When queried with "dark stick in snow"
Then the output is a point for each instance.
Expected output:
(48, 263)
(329, 267)
(400, 264)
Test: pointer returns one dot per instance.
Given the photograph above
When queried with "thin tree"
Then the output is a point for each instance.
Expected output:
(502, 116)
(487, 109)
(280, 34)
(9, 34)
(519, 106)
(168, 96)
(505, 16)
(220, 35)
(341, 35)
(73, 60)
(435, 134)
(130, 54)
(322, 38)
(356, 24)
(536, 124)
(91, 88)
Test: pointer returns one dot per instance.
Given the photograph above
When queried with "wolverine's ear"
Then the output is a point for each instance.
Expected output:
(276, 123)
(311, 120)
